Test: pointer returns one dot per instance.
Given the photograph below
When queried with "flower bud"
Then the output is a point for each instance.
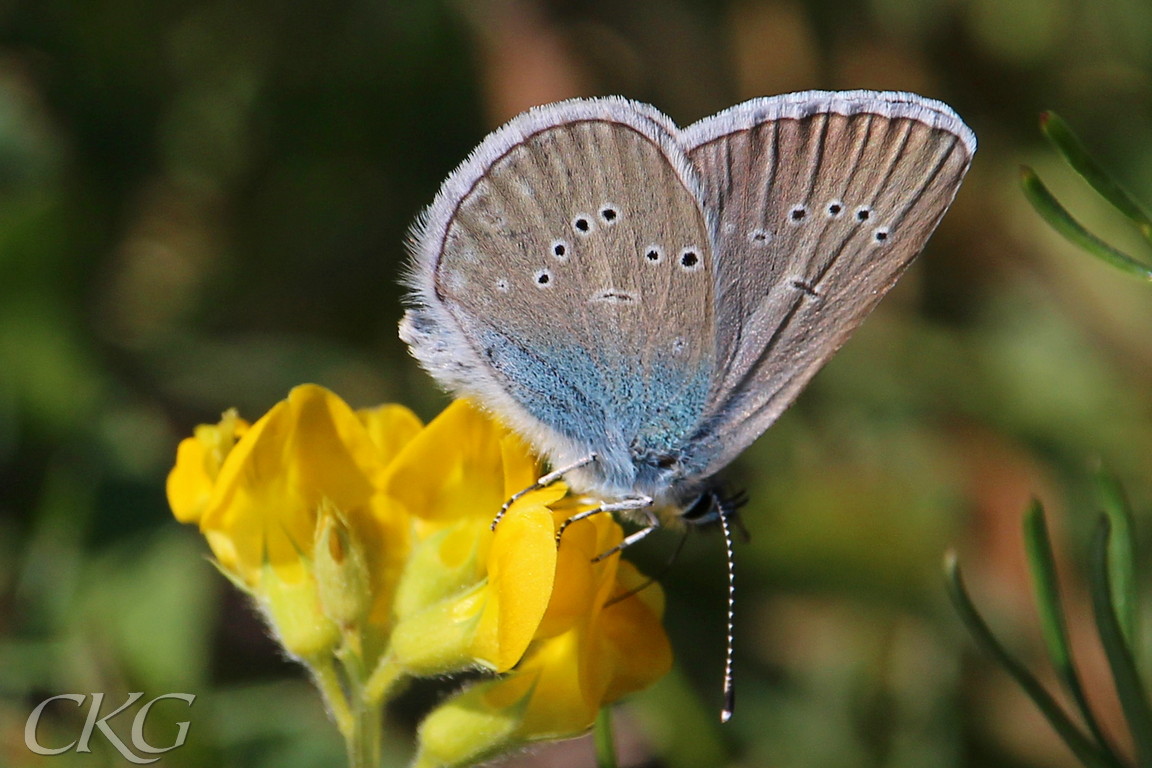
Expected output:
(292, 609)
(341, 568)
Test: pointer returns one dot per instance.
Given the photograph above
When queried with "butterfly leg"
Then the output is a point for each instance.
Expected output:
(624, 505)
(543, 482)
(655, 577)
(632, 538)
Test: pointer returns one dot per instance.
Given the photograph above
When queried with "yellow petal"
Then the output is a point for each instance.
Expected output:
(189, 486)
(590, 649)
(457, 611)
(198, 460)
(635, 647)
(455, 467)
(306, 448)
(521, 469)
(390, 427)
(387, 540)
(578, 579)
(521, 570)
(562, 703)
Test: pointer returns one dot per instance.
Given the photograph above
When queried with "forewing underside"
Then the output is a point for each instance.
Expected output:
(818, 215)
(577, 266)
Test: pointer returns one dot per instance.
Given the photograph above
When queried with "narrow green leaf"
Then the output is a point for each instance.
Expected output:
(1069, 145)
(1080, 744)
(1129, 688)
(1042, 564)
(1073, 231)
(605, 742)
(1121, 555)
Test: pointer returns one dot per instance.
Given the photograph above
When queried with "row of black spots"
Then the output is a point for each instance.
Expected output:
(834, 209)
(689, 258)
(585, 223)
(541, 278)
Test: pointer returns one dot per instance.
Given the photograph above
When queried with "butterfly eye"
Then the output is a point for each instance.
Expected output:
(881, 234)
(835, 208)
(797, 213)
(560, 250)
(543, 278)
(653, 254)
(863, 213)
(582, 224)
(609, 213)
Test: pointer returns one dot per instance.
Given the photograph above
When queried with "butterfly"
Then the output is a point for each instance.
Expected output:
(641, 301)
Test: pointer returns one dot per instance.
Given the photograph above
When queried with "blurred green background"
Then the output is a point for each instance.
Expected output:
(203, 204)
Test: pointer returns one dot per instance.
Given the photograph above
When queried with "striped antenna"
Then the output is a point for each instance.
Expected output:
(729, 683)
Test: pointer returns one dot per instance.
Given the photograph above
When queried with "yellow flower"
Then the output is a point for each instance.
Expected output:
(470, 597)
(198, 461)
(365, 538)
(591, 649)
(260, 510)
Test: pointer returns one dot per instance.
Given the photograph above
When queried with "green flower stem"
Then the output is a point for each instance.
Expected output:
(365, 739)
(327, 680)
(605, 743)
(364, 747)
(382, 680)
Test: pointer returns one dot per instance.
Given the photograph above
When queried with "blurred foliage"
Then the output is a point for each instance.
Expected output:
(204, 203)
(1116, 600)
(1073, 151)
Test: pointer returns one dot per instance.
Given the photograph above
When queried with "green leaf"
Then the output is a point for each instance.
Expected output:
(605, 743)
(1129, 688)
(1073, 150)
(1080, 744)
(1121, 555)
(1042, 564)
(1073, 231)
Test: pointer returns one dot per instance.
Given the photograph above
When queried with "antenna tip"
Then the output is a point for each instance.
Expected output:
(729, 703)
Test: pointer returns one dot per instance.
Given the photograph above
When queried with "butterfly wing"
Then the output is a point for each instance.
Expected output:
(562, 278)
(822, 200)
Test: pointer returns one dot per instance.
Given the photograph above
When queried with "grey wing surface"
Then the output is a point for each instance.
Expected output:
(562, 279)
(822, 200)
